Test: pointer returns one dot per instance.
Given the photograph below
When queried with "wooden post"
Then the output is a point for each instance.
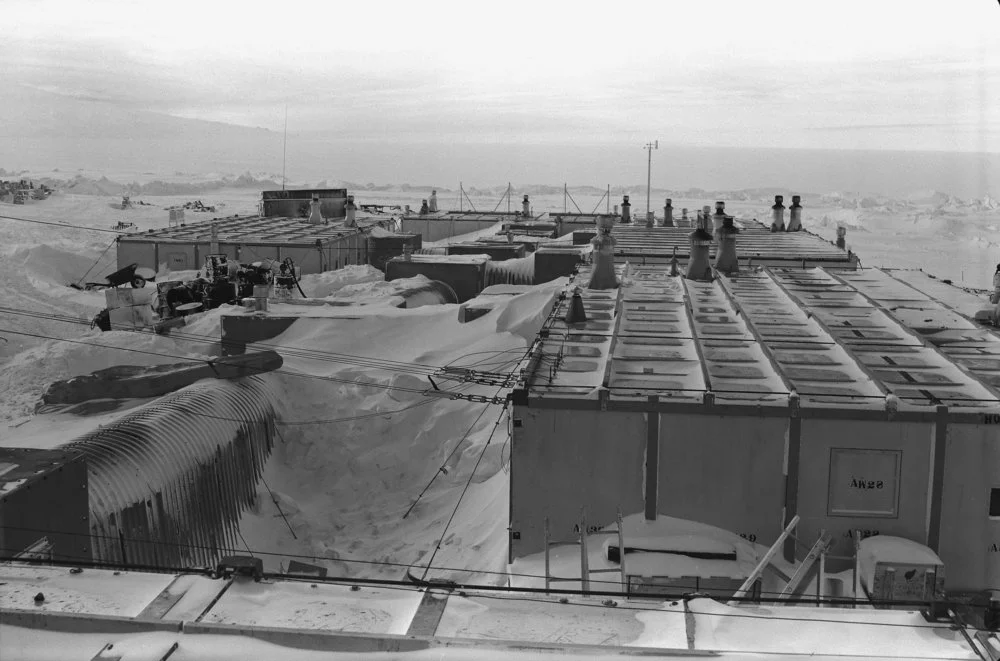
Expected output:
(857, 575)
(546, 532)
(584, 560)
(821, 579)
(621, 552)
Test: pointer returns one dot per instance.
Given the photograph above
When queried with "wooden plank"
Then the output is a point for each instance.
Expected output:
(771, 552)
(425, 621)
(805, 566)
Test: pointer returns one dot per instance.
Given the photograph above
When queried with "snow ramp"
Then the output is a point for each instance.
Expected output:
(169, 482)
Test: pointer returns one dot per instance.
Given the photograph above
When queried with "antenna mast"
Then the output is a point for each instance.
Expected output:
(284, 149)
(649, 170)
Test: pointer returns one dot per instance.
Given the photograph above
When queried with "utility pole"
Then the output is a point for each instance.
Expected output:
(284, 149)
(649, 170)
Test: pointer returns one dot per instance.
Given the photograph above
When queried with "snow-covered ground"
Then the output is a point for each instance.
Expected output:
(353, 458)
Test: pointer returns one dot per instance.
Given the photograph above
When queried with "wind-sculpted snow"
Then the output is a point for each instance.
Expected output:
(169, 483)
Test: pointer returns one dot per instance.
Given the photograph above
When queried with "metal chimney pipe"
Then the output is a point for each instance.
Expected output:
(727, 261)
(525, 207)
(699, 267)
(668, 213)
(719, 217)
(315, 215)
(351, 211)
(842, 237)
(778, 214)
(626, 210)
(603, 275)
(795, 215)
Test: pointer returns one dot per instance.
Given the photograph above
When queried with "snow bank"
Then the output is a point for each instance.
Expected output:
(321, 285)
(361, 442)
(469, 237)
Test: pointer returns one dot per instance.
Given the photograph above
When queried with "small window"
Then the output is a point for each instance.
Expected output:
(994, 502)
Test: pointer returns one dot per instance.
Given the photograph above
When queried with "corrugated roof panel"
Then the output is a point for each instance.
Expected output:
(922, 375)
(754, 242)
(752, 338)
(820, 370)
(246, 229)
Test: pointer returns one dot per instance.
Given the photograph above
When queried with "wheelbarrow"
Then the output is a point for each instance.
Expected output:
(130, 275)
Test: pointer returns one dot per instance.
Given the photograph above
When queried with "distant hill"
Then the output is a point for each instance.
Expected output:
(45, 130)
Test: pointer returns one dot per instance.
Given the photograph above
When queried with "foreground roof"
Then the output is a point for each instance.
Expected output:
(97, 614)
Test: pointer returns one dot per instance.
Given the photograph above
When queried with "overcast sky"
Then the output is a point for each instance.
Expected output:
(886, 74)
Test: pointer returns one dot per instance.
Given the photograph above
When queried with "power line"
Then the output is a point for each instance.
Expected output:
(207, 361)
(499, 590)
(441, 468)
(67, 225)
(461, 496)
(84, 276)
(420, 369)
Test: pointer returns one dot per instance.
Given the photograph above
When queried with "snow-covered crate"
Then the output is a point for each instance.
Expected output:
(120, 297)
(897, 569)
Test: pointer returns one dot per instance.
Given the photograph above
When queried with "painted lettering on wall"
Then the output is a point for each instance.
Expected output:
(862, 483)
(590, 529)
(991, 418)
(863, 534)
(749, 536)
(994, 548)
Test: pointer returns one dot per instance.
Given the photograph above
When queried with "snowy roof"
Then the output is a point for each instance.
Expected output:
(248, 229)
(637, 243)
(847, 339)
(85, 613)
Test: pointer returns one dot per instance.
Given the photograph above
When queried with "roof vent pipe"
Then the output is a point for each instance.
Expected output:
(315, 217)
(576, 313)
(727, 261)
(603, 276)
(525, 207)
(668, 213)
(626, 210)
(685, 221)
(351, 212)
(699, 267)
(842, 237)
(424, 209)
(778, 214)
(719, 217)
(795, 215)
